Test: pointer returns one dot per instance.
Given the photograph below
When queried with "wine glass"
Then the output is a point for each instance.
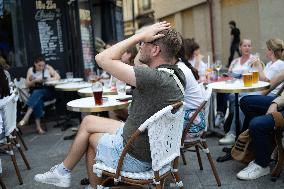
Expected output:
(218, 66)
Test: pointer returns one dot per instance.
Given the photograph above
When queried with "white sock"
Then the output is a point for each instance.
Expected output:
(63, 170)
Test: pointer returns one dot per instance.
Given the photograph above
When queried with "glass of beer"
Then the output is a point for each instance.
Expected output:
(97, 88)
(255, 76)
(247, 78)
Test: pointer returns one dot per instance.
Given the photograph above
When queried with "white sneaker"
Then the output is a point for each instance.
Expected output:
(219, 121)
(53, 177)
(253, 171)
(228, 139)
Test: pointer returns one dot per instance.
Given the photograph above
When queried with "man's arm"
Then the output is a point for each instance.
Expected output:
(109, 59)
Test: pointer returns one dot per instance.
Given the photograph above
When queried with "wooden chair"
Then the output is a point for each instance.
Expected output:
(164, 131)
(9, 138)
(199, 143)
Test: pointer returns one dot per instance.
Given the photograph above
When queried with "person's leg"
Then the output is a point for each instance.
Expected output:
(238, 49)
(38, 126)
(221, 108)
(60, 175)
(89, 125)
(260, 130)
(90, 158)
(33, 101)
(232, 53)
(254, 105)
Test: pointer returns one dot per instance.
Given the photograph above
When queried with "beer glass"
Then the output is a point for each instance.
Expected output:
(97, 88)
(255, 76)
(247, 78)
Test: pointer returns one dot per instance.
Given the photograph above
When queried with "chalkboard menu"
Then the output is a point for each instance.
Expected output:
(48, 20)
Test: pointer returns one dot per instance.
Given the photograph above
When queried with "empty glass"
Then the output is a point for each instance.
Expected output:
(121, 88)
(69, 76)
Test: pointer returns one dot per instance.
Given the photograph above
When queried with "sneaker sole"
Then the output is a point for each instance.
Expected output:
(242, 178)
(54, 182)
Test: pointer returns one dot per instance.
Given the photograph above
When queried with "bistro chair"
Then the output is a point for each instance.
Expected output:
(200, 142)
(9, 138)
(164, 131)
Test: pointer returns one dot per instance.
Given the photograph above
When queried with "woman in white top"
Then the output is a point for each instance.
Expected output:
(194, 96)
(36, 76)
(194, 57)
(238, 66)
(275, 53)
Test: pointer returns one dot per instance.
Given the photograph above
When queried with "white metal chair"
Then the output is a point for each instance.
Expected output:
(9, 138)
(199, 143)
(165, 132)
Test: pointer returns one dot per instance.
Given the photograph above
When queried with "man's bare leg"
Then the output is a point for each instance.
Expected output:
(90, 125)
(90, 158)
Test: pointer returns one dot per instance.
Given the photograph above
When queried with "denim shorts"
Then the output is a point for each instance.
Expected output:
(109, 148)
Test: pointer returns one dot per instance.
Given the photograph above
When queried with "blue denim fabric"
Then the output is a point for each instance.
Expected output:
(260, 126)
(109, 149)
(36, 100)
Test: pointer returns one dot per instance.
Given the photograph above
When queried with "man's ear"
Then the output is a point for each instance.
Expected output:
(156, 50)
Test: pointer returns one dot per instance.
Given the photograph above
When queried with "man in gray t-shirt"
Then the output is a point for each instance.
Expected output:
(154, 90)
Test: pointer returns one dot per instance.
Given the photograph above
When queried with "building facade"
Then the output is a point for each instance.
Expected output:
(257, 20)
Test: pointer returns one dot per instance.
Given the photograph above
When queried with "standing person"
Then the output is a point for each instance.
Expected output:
(235, 41)
(194, 57)
(36, 76)
(155, 89)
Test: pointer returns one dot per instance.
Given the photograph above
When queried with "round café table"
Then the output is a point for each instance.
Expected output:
(62, 81)
(75, 86)
(236, 86)
(87, 104)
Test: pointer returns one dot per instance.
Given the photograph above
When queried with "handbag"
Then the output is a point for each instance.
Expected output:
(241, 150)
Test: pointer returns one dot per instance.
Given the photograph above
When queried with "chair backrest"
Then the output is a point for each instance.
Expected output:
(22, 89)
(164, 131)
(9, 114)
(204, 106)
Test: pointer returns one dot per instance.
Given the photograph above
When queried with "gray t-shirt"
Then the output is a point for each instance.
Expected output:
(154, 90)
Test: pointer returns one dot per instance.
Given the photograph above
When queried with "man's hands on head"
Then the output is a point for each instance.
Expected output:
(151, 33)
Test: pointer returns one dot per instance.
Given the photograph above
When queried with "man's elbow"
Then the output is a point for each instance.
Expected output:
(99, 58)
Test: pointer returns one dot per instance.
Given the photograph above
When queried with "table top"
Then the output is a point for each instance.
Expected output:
(88, 104)
(87, 92)
(63, 81)
(75, 86)
(237, 86)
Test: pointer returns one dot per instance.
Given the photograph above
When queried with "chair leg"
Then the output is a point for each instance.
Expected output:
(175, 174)
(2, 184)
(183, 156)
(17, 144)
(13, 158)
(21, 139)
(198, 157)
(213, 167)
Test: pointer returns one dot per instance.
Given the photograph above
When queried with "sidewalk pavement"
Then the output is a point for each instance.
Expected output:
(50, 149)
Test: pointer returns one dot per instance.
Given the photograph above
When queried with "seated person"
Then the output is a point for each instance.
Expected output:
(258, 119)
(194, 57)
(36, 76)
(194, 96)
(154, 90)
(237, 68)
